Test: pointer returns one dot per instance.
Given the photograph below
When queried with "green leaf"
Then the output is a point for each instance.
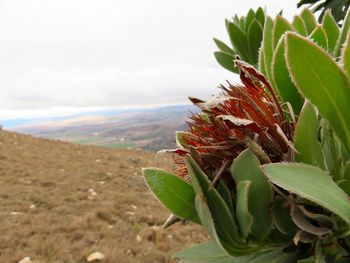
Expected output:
(225, 226)
(309, 20)
(319, 36)
(345, 185)
(207, 252)
(226, 61)
(343, 34)
(268, 46)
(320, 256)
(329, 143)
(262, 62)
(346, 171)
(307, 260)
(311, 183)
(174, 193)
(260, 16)
(282, 80)
(223, 47)
(274, 256)
(180, 141)
(281, 216)
(255, 37)
(246, 168)
(249, 19)
(308, 148)
(235, 20)
(281, 25)
(332, 30)
(299, 25)
(225, 193)
(244, 217)
(238, 40)
(322, 82)
(242, 24)
(206, 219)
(346, 56)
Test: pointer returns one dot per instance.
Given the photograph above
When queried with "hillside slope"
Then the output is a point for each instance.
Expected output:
(59, 202)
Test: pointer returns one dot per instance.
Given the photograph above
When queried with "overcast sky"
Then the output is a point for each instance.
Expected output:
(93, 53)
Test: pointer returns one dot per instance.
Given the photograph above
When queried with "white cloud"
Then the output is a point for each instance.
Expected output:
(71, 53)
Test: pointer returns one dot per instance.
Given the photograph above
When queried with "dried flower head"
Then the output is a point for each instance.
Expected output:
(241, 116)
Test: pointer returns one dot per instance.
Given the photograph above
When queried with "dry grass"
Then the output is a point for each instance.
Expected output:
(60, 202)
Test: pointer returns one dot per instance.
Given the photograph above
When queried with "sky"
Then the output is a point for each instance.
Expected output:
(65, 55)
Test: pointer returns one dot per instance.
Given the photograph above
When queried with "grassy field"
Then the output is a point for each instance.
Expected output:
(62, 201)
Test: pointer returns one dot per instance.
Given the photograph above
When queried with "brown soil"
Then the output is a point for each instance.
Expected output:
(59, 202)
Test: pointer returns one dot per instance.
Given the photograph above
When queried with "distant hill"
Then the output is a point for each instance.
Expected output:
(61, 201)
(150, 129)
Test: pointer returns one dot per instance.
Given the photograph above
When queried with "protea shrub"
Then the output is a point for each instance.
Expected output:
(264, 166)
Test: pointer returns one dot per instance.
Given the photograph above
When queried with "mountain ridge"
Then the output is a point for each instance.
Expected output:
(152, 129)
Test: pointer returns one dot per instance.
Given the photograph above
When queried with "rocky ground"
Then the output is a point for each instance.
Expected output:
(61, 202)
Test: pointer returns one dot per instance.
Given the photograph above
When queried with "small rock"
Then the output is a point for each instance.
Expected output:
(130, 213)
(97, 161)
(14, 213)
(96, 256)
(32, 206)
(92, 192)
(25, 260)
(134, 207)
(138, 238)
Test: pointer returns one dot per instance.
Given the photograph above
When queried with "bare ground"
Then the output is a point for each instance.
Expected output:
(59, 202)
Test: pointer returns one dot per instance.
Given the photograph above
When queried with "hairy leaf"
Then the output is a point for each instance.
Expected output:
(308, 148)
(225, 226)
(255, 37)
(281, 25)
(309, 20)
(319, 36)
(299, 25)
(244, 217)
(223, 47)
(226, 61)
(207, 252)
(268, 46)
(239, 40)
(173, 192)
(282, 80)
(346, 56)
(311, 183)
(246, 168)
(325, 84)
(343, 34)
(332, 30)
